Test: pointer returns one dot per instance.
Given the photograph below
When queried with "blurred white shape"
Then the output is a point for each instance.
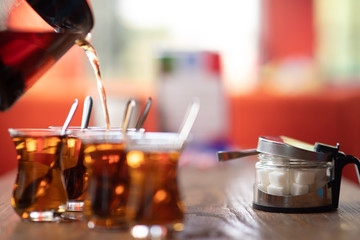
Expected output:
(227, 26)
(140, 231)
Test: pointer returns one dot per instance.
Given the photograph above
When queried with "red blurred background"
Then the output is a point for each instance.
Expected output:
(328, 114)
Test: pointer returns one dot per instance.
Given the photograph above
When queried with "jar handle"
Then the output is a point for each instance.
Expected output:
(340, 161)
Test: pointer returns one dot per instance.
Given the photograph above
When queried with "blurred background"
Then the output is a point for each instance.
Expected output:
(259, 67)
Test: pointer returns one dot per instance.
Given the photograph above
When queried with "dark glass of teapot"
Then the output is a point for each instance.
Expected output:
(26, 53)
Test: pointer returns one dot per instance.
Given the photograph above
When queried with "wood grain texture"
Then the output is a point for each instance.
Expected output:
(218, 206)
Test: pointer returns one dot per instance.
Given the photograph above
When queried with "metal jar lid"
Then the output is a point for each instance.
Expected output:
(291, 148)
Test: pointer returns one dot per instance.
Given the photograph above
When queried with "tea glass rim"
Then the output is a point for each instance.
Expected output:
(102, 135)
(34, 132)
(155, 141)
(98, 128)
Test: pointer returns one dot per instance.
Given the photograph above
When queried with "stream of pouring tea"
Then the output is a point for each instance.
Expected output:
(91, 54)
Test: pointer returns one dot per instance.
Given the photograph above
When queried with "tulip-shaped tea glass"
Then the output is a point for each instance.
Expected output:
(39, 193)
(108, 178)
(75, 172)
(155, 207)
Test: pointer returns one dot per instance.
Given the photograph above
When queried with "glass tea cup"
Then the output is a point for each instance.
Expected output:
(74, 169)
(155, 205)
(108, 182)
(39, 193)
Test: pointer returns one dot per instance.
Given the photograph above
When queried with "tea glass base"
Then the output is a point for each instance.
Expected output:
(75, 206)
(156, 232)
(74, 211)
(108, 224)
(72, 216)
(45, 216)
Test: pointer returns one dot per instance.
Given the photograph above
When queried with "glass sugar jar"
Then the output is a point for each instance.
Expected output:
(292, 176)
(290, 183)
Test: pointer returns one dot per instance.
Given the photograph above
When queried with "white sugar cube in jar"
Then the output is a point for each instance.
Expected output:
(281, 176)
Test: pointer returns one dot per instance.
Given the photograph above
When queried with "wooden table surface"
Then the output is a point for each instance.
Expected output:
(218, 202)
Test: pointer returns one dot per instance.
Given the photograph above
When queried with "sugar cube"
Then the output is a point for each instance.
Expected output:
(299, 189)
(262, 176)
(304, 176)
(279, 178)
(275, 190)
(262, 187)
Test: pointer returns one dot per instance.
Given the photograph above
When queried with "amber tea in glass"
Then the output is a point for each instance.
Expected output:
(108, 182)
(75, 172)
(39, 193)
(154, 196)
